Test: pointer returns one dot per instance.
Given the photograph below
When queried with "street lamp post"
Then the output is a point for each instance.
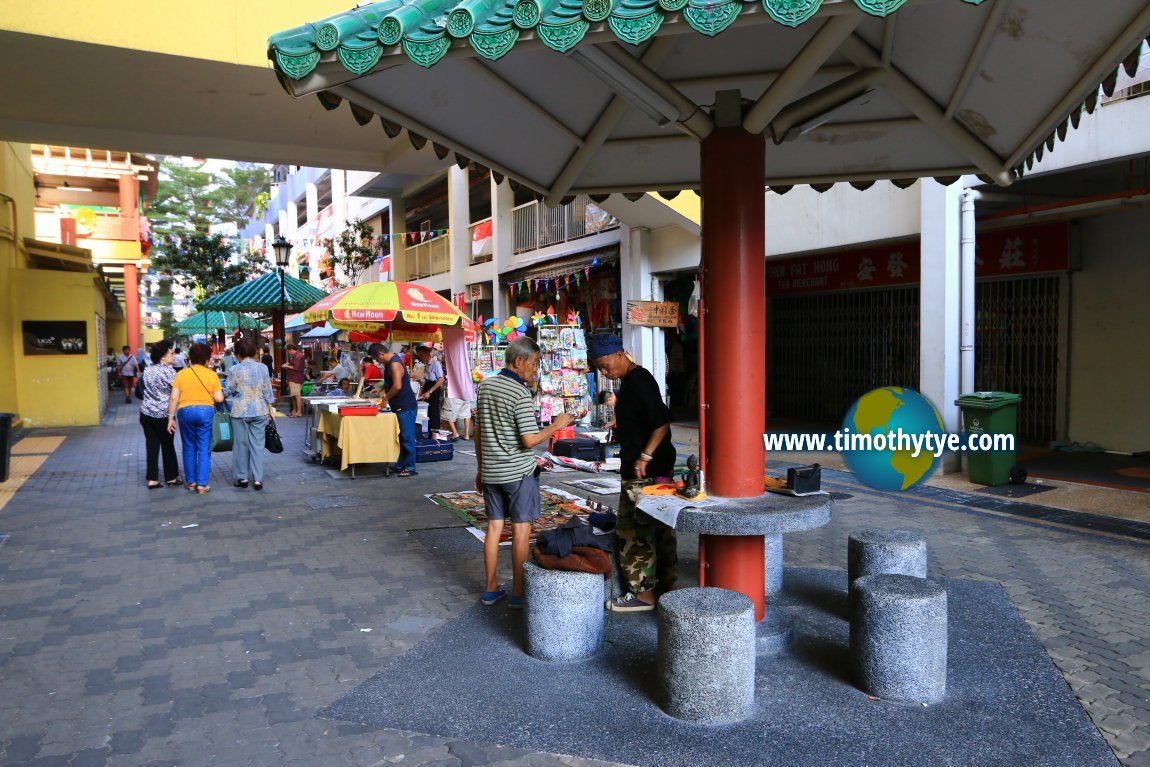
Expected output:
(282, 250)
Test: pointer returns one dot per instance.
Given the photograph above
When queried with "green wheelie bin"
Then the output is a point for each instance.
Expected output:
(991, 412)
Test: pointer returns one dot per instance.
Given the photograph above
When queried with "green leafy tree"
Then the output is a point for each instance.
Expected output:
(355, 249)
(185, 199)
(189, 200)
(204, 264)
(241, 192)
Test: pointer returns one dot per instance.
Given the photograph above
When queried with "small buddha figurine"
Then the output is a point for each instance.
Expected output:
(690, 486)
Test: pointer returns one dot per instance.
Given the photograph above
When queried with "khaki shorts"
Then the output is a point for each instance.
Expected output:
(294, 389)
(454, 409)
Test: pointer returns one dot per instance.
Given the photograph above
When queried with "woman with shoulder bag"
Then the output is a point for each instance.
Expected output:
(156, 381)
(194, 392)
(249, 392)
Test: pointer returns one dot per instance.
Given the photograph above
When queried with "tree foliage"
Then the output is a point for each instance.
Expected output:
(191, 199)
(354, 249)
(204, 264)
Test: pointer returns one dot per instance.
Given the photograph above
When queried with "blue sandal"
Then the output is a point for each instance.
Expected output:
(491, 597)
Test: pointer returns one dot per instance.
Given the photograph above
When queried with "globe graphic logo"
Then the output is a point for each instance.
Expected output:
(883, 412)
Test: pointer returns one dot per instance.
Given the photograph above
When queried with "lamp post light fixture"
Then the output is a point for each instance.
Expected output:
(282, 250)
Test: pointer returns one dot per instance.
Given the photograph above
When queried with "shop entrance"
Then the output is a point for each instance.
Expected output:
(824, 350)
(682, 348)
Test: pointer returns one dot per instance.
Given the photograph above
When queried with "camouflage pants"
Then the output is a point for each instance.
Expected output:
(648, 555)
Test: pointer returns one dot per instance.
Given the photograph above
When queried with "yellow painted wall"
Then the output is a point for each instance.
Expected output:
(152, 335)
(16, 182)
(687, 203)
(57, 390)
(232, 31)
(117, 334)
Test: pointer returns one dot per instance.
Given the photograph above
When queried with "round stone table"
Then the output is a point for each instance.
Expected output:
(741, 549)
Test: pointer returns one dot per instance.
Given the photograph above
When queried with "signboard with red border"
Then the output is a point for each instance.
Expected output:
(999, 253)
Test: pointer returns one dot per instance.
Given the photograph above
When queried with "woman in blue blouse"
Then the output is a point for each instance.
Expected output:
(249, 392)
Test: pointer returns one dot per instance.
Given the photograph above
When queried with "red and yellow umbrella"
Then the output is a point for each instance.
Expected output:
(388, 310)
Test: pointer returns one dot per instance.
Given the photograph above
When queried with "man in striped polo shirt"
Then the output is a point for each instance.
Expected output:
(506, 431)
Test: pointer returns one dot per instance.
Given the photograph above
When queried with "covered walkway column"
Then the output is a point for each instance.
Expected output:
(502, 243)
(939, 303)
(132, 305)
(733, 349)
(734, 333)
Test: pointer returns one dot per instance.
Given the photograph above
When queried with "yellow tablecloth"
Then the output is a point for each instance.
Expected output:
(358, 439)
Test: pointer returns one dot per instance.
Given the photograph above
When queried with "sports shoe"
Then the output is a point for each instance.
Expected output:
(491, 597)
(628, 603)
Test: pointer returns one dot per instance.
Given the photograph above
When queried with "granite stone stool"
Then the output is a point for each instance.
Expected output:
(564, 613)
(707, 654)
(898, 637)
(878, 552)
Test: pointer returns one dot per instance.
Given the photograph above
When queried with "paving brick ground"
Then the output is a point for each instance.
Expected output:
(128, 636)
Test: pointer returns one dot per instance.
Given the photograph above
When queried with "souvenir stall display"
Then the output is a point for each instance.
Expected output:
(563, 369)
(563, 385)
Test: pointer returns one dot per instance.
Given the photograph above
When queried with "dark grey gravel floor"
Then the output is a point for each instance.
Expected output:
(1006, 703)
(131, 638)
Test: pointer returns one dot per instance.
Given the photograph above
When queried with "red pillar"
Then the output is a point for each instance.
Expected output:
(734, 282)
(132, 305)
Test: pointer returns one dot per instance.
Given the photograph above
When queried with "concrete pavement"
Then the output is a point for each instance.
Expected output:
(162, 628)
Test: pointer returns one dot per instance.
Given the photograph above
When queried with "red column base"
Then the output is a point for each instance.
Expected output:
(734, 562)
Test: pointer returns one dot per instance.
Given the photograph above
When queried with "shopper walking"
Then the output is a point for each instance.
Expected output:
(249, 393)
(647, 549)
(295, 371)
(398, 395)
(157, 379)
(505, 433)
(127, 368)
(195, 390)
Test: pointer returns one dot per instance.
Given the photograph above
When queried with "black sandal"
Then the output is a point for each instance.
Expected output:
(242, 483)
(257, 485)
(174, 483)
(156, 486)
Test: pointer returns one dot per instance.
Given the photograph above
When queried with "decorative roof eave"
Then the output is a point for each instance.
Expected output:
(531, 16)
(424, 30)
(263, 294)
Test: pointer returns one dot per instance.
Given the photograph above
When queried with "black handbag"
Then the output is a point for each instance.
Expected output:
(272, 439)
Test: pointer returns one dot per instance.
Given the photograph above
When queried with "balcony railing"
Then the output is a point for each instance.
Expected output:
(428, 258)
(537, 226)
(97, 225)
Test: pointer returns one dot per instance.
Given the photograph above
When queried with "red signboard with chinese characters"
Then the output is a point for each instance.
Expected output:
(998, 253)
(896, 264)
(1023, 251)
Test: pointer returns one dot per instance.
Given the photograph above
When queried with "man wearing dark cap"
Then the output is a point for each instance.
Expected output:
(648, 554)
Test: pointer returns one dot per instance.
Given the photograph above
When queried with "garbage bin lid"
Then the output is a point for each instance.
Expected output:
(985, 398)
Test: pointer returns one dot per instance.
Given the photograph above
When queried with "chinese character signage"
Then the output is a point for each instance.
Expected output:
(653, 314)
(999, 253)
(55, 338)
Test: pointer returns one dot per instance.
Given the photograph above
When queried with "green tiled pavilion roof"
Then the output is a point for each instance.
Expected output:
(207, 322)
(263, 294)
(425, 29)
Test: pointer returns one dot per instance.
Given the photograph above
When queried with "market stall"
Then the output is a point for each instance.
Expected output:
(356, 439)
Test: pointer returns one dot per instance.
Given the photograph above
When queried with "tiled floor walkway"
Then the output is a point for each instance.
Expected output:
(162, 628)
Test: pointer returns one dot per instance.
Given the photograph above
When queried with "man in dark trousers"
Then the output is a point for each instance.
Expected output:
(398, 394)
(647, 549)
